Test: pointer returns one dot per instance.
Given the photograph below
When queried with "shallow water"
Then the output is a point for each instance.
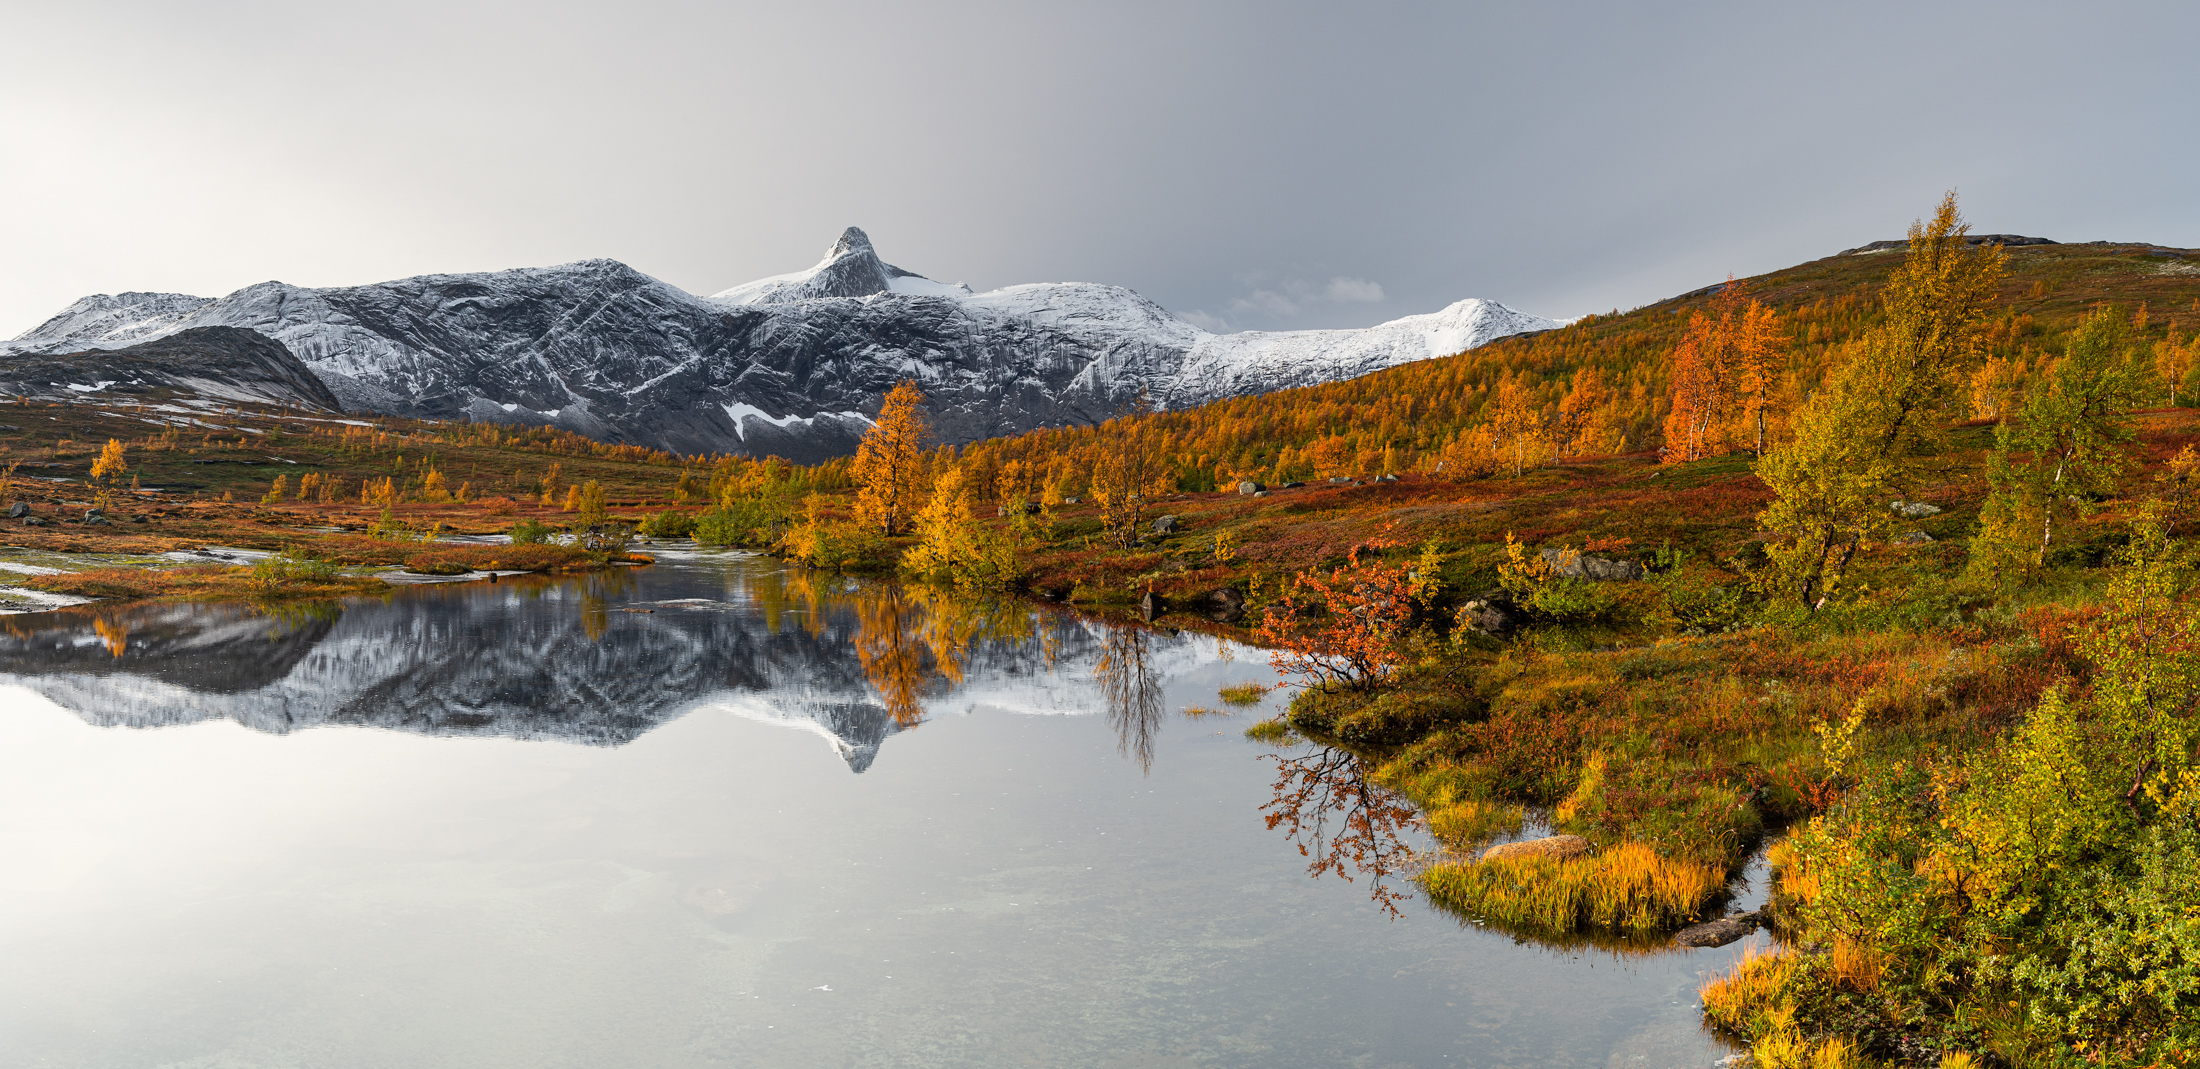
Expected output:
(774, 821)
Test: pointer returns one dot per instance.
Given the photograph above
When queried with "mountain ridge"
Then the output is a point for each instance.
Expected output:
(792, 365)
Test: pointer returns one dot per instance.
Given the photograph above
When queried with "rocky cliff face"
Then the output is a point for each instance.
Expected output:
(792, 365)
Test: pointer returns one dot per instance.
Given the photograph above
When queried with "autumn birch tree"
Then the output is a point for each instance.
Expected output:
(1855, 441)
(2072, 435)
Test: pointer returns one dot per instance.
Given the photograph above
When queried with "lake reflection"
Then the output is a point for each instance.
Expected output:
(694, 885)
(598, 659)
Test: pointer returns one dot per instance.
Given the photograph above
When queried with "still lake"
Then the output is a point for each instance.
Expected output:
(711, 812)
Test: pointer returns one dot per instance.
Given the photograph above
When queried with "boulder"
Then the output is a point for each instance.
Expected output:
(1720, 932)
(1574, 565)
(1165, 525)
(1260, 493)
(1226, 606)
(1555, 847)
(1250, 487)
(1290, 486)
(1492, 613)
(33, 521)
(1072, 500)
(18, 510)
(1390, 478)
(1912, 538)
(94, 516)
(1915, 510)
(137, 519)
(1031, 508)
(1152, 606)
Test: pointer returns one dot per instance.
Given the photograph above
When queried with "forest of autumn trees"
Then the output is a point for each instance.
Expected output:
(1722, 371)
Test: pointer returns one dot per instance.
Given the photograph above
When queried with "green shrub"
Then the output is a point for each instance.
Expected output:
(291, 567)
(532, 533)
(668, 524)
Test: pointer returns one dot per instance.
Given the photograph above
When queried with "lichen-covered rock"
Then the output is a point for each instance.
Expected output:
(1555, 847)
(1575, 565)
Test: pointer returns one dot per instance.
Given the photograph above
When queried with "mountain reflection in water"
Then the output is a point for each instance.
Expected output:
(599, 659)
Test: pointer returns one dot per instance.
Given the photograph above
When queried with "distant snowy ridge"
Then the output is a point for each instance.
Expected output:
(790, 365)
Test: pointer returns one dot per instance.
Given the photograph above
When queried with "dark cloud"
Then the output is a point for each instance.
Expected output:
(1263, 165)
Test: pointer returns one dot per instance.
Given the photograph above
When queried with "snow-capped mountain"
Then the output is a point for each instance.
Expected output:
(791, 365)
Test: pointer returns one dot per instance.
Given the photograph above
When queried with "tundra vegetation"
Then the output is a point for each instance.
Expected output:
(1884, 559)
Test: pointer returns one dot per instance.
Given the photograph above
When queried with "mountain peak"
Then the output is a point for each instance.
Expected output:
(851, 268)
(851, 240)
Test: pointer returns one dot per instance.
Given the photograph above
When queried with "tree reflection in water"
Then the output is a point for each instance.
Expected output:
(596, 592)
(911, 641)
(1344, 822)
(1133, 692)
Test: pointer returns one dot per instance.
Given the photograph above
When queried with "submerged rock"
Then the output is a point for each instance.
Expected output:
(1720, 932)
(1555, 847)
(1226, 606)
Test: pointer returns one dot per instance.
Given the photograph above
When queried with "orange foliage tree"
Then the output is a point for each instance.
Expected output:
(1362, 608)
(1724, 374)
(890, 462)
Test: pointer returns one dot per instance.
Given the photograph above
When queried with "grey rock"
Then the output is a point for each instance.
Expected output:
(1912, 538)
(1390, 478)
(1583, 566)
(1250, 487)
(1492, 613)
(1226, 606)
(1260, 493)
(33, 521)
(93, 516)
(18, 510)
(1915, 509)
(1290, 486)
(1152, 607)
(1720, 932)
(1165, 525)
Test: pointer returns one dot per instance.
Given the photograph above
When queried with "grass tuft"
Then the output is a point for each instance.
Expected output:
(1246, 693)
(1624, 889)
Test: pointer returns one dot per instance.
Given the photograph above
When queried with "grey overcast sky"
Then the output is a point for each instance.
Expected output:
(1251, 166)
